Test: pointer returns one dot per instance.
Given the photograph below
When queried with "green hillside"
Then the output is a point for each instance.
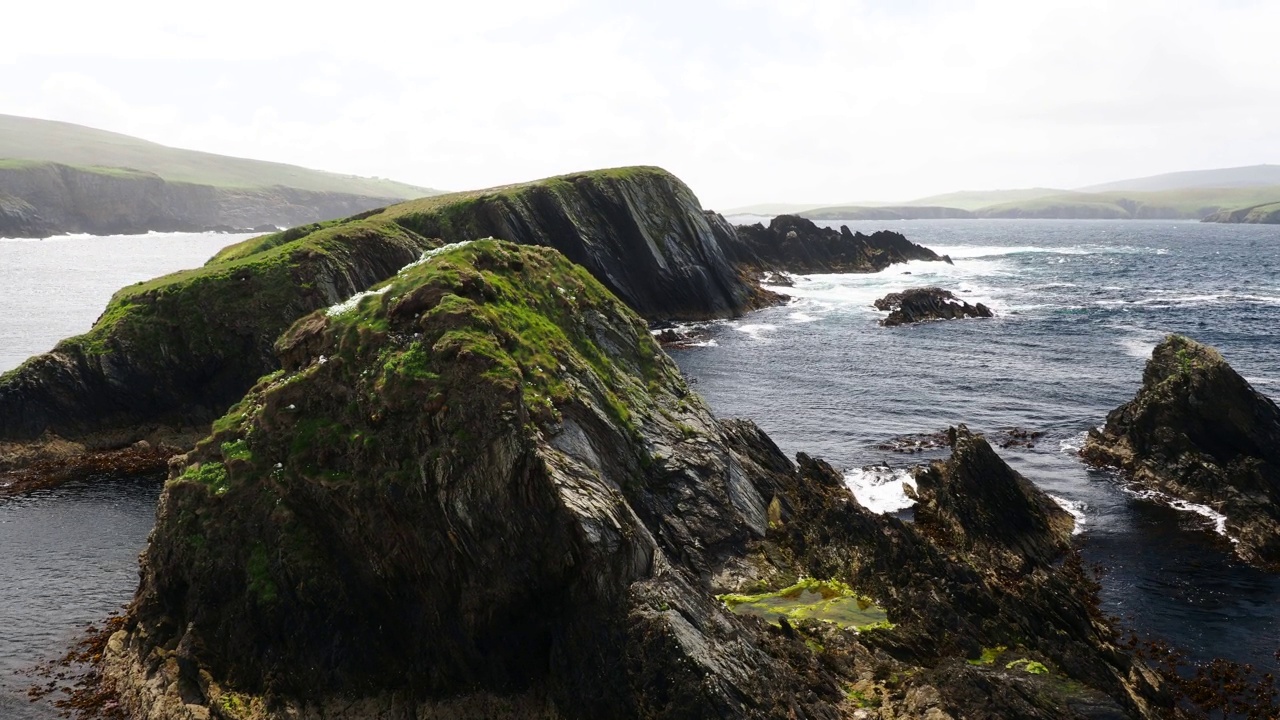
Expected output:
(1193, 203)
(30, 139)
(1237, 177)
(976, 199)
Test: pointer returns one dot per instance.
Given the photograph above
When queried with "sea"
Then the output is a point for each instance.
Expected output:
(1079, 306)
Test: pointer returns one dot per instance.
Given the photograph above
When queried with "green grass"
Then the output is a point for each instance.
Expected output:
(29, 139)
(826, 600)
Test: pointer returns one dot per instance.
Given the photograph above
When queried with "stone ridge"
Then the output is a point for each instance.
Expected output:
(481, 490)
(170, 355)
(1198, 431)
(59, 199)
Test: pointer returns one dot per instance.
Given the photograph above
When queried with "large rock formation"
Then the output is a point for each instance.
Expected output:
(917, 305)
(57, 199)
(481, 490)
(1198, 431)
(169, 355)
(794, 244)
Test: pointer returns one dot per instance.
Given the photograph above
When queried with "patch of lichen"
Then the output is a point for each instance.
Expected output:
(830, 601)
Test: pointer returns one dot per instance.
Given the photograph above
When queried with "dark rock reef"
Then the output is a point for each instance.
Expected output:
(1196, 430)
(917, 305)
(170, 355)
(483, 491)
(52, 199)
(796, 245)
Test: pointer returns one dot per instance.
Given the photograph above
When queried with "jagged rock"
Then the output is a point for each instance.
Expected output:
(916, 305)
(974, 500)
(795, 245)
(485, 492)
(1196, 430)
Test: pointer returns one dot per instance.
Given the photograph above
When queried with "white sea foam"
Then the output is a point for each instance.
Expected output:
(757, 331)
(879, 488)
(1218, 519)
(800, 317)
(1072, 445)
(1076, 509)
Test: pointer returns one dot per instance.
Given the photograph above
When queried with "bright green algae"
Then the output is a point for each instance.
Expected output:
(829, 601)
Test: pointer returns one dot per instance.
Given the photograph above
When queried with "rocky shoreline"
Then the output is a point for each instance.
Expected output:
(428, 473)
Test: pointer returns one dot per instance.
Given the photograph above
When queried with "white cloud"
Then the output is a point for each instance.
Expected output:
(822, 100)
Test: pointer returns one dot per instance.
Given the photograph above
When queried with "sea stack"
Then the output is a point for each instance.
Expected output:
(1196, 430)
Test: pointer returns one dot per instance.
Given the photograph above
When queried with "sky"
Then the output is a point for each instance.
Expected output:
(748, 101)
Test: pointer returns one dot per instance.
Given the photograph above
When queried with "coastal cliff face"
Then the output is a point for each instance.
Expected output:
(1261, 214)
(481, 490)
(170, 355)
(1198, 431)
(62, 199)
(794, 244)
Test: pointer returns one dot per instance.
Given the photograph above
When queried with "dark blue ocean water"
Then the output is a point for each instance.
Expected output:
(1080, 305)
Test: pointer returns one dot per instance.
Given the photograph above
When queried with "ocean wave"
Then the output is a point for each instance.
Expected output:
(1218, 519)
(1072, 445)
(986, 251)
(879, 488)
(1076, 509)
(756, 331)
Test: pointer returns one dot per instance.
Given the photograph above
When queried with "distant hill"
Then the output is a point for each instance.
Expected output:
(37, 140)
(57, 178)
(1180, 204)
(976, 199)
(1267, 214)
(887, 212)
(1239, 177)
(772, 209)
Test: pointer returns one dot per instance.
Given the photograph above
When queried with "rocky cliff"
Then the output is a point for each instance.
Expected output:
(794, 244)
(1198, 431)
(170, 355)
(60, 199)
(1261, 214)
(481, 490)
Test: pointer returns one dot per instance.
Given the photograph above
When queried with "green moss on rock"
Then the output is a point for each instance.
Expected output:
(829, 601)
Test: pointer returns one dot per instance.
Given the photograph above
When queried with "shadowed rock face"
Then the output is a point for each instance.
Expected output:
(485, 492)
(924, 304)
(1198, 431)
(793, 244)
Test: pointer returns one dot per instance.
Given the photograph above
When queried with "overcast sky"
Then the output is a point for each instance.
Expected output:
(751, 101)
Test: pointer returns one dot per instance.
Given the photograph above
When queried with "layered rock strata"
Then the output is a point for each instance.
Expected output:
(482, 490)
(794, 244)
(1198, 431)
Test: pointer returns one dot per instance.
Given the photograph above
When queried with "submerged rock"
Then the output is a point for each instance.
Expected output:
(916, 305)
(483, 491)
(1198, 431)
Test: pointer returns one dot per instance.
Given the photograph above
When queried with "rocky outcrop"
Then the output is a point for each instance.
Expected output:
(1196, 430)
(483, 491)
(58, 199)
(170, 355)
(795, 244)
(1268, 213)
(917, 305)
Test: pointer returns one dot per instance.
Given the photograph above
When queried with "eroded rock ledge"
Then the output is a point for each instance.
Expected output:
(483, 491)
(916, 305)
(1196, 430)
(796, 245)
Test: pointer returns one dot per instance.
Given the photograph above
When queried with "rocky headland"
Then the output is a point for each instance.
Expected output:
(170, 355)
(1268, 213)
(796, 245)
(43, 199)
(917, 305)
(1198, 431)
(481, 490)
